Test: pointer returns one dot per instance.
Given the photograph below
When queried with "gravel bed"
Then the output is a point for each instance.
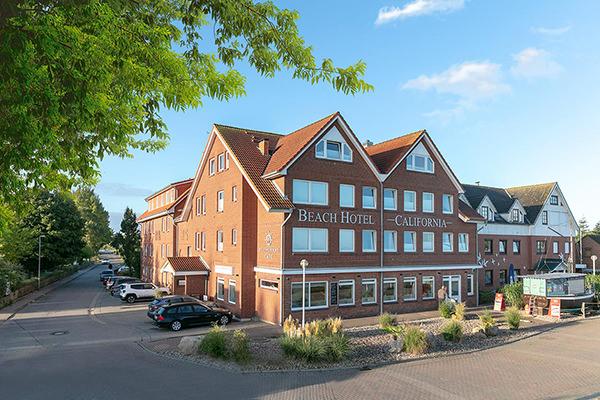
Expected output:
(370, 346)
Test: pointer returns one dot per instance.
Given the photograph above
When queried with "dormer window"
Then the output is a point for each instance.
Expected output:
(487, 213)
(517, 215)
(419, 163)
(333, 150)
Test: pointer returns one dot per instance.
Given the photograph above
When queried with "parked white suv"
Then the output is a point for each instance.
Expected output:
(130, 292)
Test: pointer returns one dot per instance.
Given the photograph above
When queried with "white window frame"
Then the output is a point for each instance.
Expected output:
(346, 282)
(325, 155)
(211, 166)
(197, 240)
(308, 285)
(544, 217)
(221, 162)
(374, 197)
(198, 205)
(567, 248)
(226, 160)
(203, 241)
(432, 242)
(395, 282)
(220, 281)
(432, 279)
(353, 240)
(395, 236)
(347, 204)
(466, 249)
(263, 286)
(471, 285)
(411, 165)
(309, 194)
(451, 197)
(395, 198)
(231, 283)
(234, 237)
(412, 279)
(234, 193)
(368, 281)
(407, 207)
(374, 232)
(555, 247)
(220, 240)
(432, 210)
(414, 237)
(203, 204)
(220, 201)
(309, 250)
(444, 235)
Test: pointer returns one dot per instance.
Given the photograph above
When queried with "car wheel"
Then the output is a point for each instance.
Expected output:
(175, 326)
(224, 320)
(130, 298)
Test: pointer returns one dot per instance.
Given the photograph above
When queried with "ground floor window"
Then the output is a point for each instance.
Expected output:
(315, 295)
(266, 284)
(232, 291)
(410, 289)
(502, 277)
(470, 288)
(428, 287)
(390, 290)
(369, 291)
(181, 282)
(488, 277)
(346, 293)
(220, 289)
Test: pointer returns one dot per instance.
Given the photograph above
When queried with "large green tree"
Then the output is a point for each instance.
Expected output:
(83, 79)
(97, 225)
(128, 241)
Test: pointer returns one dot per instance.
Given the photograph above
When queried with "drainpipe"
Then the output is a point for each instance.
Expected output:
(381, 247)
(282, 283)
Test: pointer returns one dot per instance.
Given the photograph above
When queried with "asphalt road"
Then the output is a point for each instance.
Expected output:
(79, 343)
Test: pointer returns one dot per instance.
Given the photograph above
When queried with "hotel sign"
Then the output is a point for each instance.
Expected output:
(425, 222)
(348, 217)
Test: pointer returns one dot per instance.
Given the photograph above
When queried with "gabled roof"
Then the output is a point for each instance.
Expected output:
(468, 212)
(499, 197)
(169, 186)
(387, 154)
(187, 264)
(163, 210)
(532, 197)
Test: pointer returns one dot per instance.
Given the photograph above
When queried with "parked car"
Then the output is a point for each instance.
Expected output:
(104, 275)
(155, 305)
(117, 280)
(177, 316)
(130, 292)
(124, 269)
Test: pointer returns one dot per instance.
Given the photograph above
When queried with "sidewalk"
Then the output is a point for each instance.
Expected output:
(9, 311)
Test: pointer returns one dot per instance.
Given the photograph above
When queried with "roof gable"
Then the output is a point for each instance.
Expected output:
(499, 197)
(532, 197)
(387, 154)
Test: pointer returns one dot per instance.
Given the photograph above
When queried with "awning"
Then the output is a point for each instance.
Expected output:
(183, 266)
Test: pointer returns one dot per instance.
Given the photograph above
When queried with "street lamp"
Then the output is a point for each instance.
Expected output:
(594, 258)
(303, 264)
(40, 259)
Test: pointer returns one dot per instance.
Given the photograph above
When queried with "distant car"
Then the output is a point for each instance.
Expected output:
(179, 315)
(117, 280)
(104, 275)
(123, 270)
(155, 305)
(130, 292)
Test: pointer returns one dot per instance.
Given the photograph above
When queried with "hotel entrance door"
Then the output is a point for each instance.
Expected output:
(452, 284)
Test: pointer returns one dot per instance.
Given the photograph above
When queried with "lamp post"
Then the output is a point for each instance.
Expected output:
(594, 258)
(303, 264)
(40, 260)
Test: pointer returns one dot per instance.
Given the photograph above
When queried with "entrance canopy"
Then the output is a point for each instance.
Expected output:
(185, 266)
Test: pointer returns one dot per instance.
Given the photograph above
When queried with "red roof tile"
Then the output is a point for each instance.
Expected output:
(187, 264)
(386, 154)
(150, 213)
(468, 212)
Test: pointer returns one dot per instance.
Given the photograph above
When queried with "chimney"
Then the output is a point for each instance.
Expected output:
(478, 183)
(367, 143)
(263, 146)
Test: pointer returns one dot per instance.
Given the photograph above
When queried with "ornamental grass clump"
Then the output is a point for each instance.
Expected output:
(446, 309)
(459, 312)
(387, 320)
(214, 343)
(415, 340)
(321, 340)
(219, 343)
(513, 317)
(452, 331)
(240, 346)
(487, 322)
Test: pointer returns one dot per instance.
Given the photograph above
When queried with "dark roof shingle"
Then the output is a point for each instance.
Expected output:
(187, 264)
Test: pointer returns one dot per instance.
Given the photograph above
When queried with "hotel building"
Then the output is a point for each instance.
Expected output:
(382, 226)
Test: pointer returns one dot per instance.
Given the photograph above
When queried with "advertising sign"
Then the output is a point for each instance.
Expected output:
(554, 310)
(334, 293)
(499, 302)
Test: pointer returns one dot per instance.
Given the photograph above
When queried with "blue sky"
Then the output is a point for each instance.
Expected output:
(509, 91)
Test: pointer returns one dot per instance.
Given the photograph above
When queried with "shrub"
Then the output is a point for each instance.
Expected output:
(11, 276)
(452, 331)
(240, 348)
(486, 296)
(446, 309)
(593, 282)
(386, 320)
(459, 312)
(513, 293)
(336, 347)
(513, 317)
(415, 340)
(486, 321)
(321, 340)
(214, 343)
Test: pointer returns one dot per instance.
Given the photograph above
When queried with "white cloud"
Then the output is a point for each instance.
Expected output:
(470, 81)
(534, 63)
(552, 31)
(416, 8)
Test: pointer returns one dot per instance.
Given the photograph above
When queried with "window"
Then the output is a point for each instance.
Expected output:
(488, 246)
(220, 200)
(567, 247)
(470, 287)
(197, 241)
(485, 212)
(368, 241)
(198, 205)
(410, 200)
(231, 295)
(310, 192)
(234, 237)
(211, 166)
(463, 242)
(544, 217)
(390, 242)
(390, 199)
(333, 150)
(181, 282)
(390, 290)
(309, 240)
(202, 241)
(420, 163)
(428, 242)
(428, 202)
(220, 289)
(271, 285)
(428, 287)
(234, 193)
(346, 240)
(540, 247)
(517, 215)
(502, 277)
(368, 197)
(221, 162)
(369, 291)
(502, 246)
(516, 247)
(203, 204)
(554, 200)
(555, 247)
(447, 242)
(488, 277)
(410, 242)
(226, 160)
(409, 291)
(315, 295)
(219, 240)
(346, 195)
(346, 293)
(447, 204)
